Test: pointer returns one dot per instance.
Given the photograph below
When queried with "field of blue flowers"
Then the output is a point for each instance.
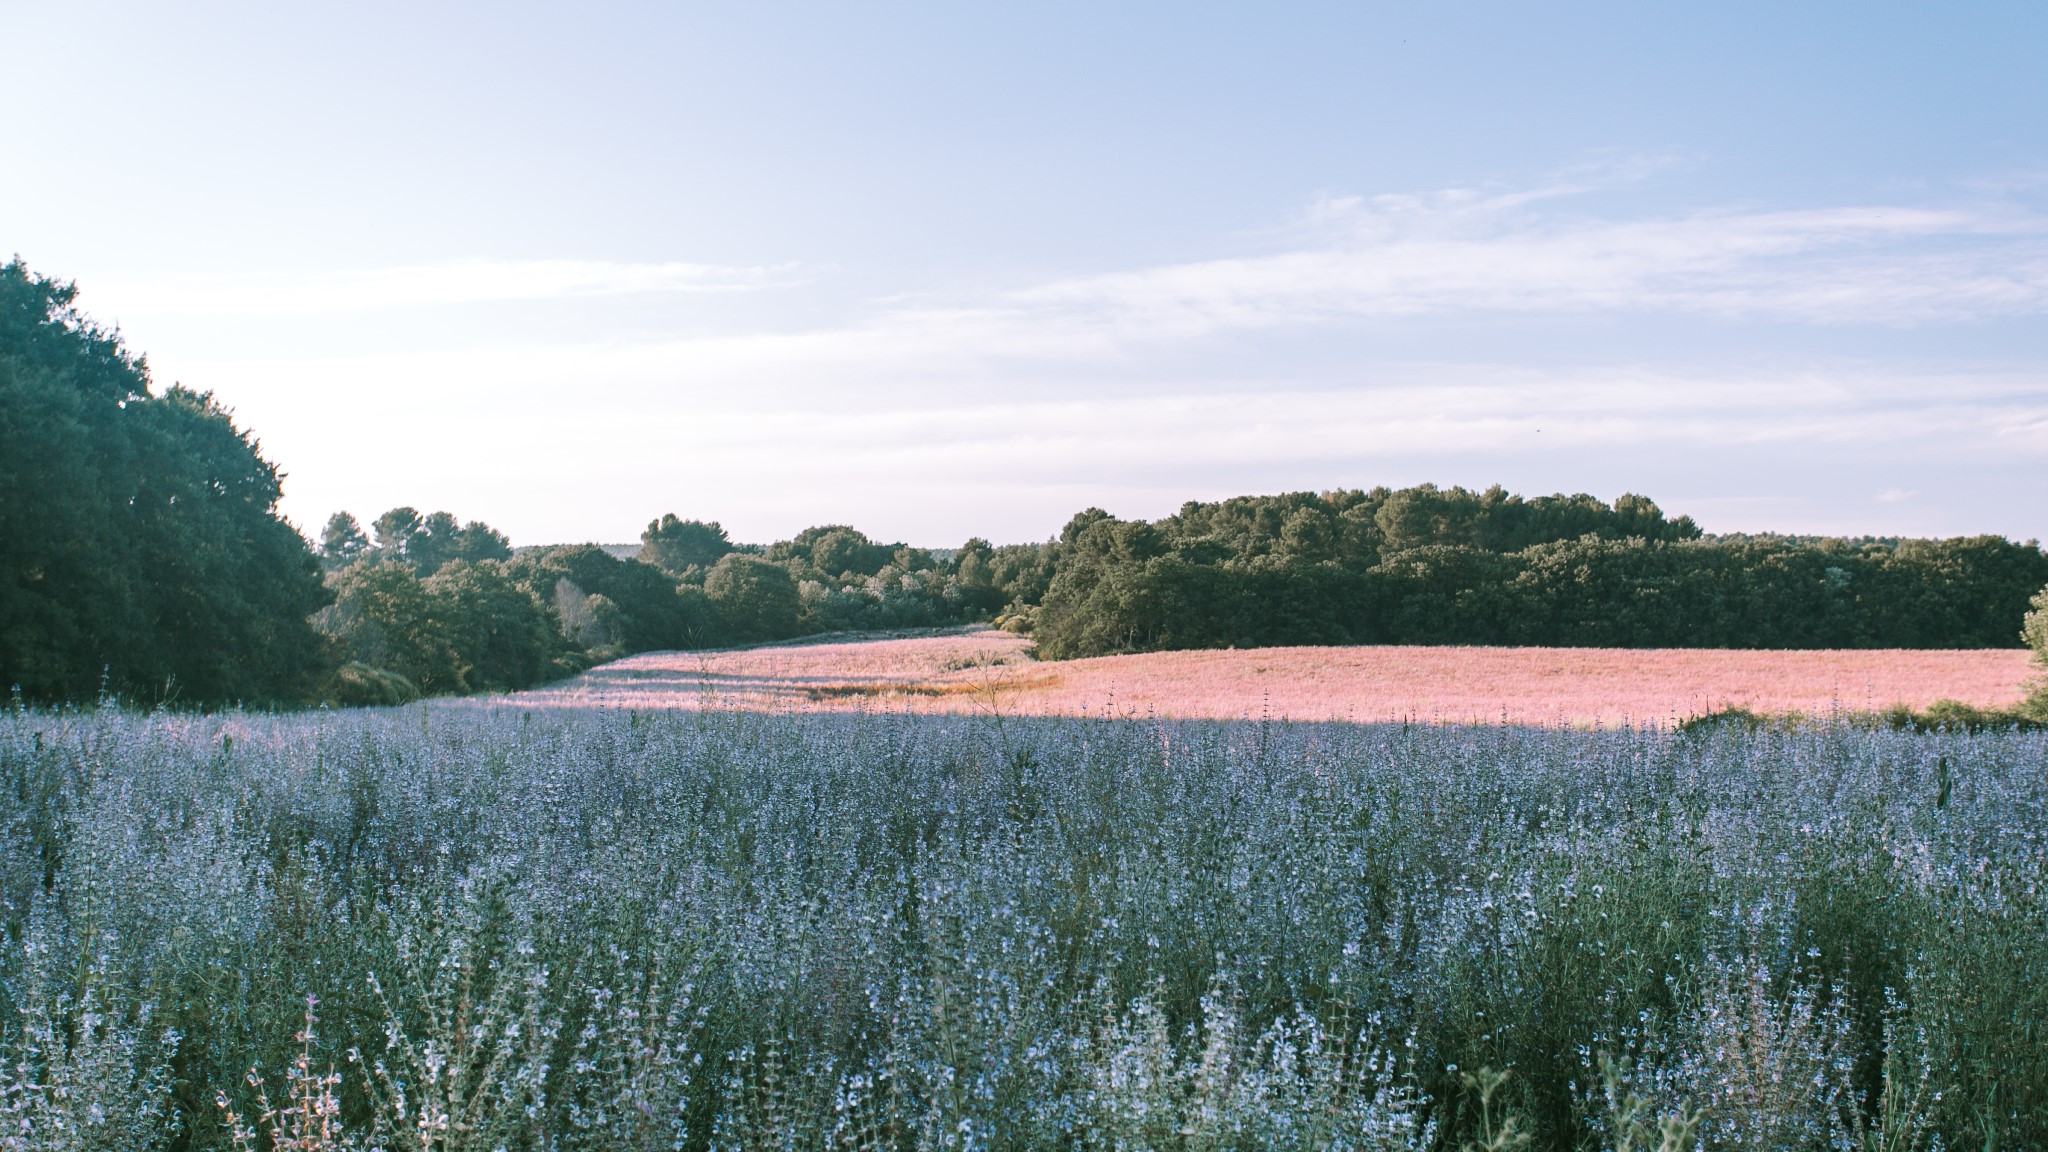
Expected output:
(438, 929)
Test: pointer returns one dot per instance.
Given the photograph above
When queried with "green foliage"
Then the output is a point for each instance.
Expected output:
(1022, 573)
(1356, 528)
(442, 541)
(140, 548)
(756, 599)
(1431, 566)
(2035, 634)
(676, 546)
(847, 581)
(342, 541)
(1956, 716)
(834, 550)
(471, 627)
(976, 579)
(395, 530)
(422, 543)
(499, 631)
(384, 617)
(604, 605)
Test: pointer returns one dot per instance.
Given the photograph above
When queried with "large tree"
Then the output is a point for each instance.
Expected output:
(675, 546)
(140, 546)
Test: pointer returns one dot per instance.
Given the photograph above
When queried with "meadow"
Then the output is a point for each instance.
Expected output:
(523, 928)
(982, 671)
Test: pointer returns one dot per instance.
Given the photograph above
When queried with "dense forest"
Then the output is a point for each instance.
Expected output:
(142, 555)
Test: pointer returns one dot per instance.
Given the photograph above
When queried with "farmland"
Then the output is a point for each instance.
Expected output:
(980, 671)
(591, 928)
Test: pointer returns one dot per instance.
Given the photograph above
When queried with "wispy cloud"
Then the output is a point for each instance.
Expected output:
(1454, 253)
(1348, 259)
(457, 282)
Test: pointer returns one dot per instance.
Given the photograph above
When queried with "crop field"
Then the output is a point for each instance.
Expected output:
(988, 671)
(526, 928)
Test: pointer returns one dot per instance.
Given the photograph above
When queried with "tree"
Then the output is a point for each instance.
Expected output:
(395, 530)
(384, 617)
(441, 540)
(225, 585)
(342, 542)
(974, 576)
(1426, 516)
(756, 599)
(2035, 633)
(500, 632)
(676, 546)
(468, 628)
(139, 538)
(424, 543)
(833, 552)
(645, 611)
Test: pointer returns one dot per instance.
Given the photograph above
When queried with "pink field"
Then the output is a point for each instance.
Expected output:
(989, 671)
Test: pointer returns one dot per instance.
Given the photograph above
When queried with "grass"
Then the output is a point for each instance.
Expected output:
(601, 929)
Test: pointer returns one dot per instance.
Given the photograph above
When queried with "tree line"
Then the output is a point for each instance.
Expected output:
(142, 555)
(430, 605)
(1450, 566)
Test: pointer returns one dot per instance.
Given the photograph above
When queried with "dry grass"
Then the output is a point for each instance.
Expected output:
(981, 670)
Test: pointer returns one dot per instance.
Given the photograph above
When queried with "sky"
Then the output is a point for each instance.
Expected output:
(942, 270)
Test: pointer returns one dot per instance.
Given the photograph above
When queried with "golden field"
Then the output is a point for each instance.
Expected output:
(986, 671)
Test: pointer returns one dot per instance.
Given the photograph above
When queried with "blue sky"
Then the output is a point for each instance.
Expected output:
(942, 270)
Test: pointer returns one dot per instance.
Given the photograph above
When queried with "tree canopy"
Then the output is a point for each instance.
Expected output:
(1450, 566)
(422, 543)
(676, 546)
(140, 545)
